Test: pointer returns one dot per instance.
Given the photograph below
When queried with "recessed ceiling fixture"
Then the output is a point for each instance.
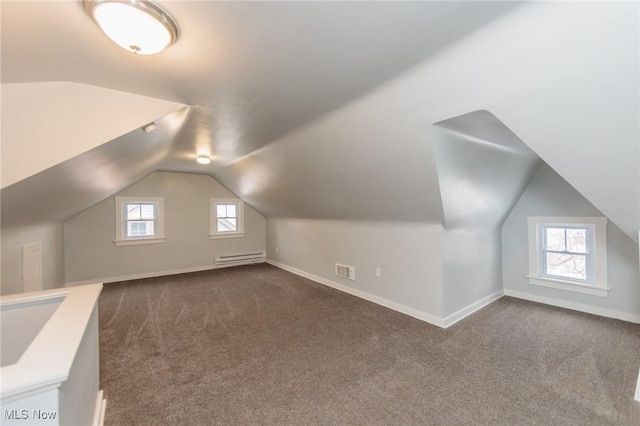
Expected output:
(203, 159)
(139, 26)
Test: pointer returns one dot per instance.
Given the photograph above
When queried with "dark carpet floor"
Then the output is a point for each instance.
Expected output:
(258, 345)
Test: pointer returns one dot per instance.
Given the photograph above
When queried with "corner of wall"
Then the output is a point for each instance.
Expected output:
(548, 194)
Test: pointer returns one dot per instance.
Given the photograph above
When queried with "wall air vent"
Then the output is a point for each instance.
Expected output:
(344, 271)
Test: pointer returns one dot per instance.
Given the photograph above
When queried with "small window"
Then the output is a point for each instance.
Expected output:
(227, 218)
(568, 254)
(139, 220)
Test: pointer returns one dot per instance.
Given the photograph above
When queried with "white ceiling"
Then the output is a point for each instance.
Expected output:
(46, 123)
(252, 72)
(325, 109)
(261, 68)
(483, 169)
(62, 191)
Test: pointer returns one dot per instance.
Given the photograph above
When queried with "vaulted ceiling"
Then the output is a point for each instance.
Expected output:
(251, 72)
(320, 109)
(261, 69)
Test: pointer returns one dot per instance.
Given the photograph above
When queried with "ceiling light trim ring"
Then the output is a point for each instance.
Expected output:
(152, 9)
(203, 159)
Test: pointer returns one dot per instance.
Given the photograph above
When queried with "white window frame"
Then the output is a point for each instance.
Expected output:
(213, 229)
(121, 222)
(596, 283)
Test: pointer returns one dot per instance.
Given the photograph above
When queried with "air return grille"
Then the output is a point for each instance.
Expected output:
(344, 271)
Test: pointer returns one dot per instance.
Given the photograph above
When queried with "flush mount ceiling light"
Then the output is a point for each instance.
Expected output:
(139, 26)
(203, 159)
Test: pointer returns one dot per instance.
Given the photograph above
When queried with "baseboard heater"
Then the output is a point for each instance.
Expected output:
(239, 259)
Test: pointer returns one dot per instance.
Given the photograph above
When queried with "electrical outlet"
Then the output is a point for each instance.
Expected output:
(378, 272)
(276, 249)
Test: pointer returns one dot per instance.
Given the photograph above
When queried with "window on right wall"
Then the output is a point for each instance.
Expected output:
(569, 253)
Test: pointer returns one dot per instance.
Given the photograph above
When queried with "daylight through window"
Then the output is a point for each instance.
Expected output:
(569, 253)
(566, 252)
(139, 220)
(227, 218)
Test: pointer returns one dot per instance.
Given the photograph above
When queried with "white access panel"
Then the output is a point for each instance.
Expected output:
(32, 267)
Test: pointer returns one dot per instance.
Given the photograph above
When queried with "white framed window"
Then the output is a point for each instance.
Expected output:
(569, 253)
(139, 220)
(227, 218)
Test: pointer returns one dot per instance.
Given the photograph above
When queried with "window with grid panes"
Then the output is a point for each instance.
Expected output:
(227, 218)
(569, 253)
(139, 220)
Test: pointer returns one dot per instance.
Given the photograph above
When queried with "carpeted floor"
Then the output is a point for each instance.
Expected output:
(258, 345)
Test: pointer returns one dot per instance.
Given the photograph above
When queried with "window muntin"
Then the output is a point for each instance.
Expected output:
(569, 253)
(565, 252)
(227, 218)
(139, 220)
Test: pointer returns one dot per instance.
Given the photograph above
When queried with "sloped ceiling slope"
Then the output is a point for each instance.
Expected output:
(44, 124)
(284, 99)
(483, 169)
(564, 77)
(64, 190)
(252, 72)
(261, 68)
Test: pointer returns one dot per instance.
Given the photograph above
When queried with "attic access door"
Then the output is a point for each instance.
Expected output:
(32, 267)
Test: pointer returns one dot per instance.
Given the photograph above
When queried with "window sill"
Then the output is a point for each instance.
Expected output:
(568, 286)
(228, 235)
(139, 241)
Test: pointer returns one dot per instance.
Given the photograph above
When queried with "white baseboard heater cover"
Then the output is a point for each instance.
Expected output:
(241, 258)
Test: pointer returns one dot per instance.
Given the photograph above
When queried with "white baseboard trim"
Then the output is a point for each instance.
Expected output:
(465, 312)
(637, 398)
(101, 406)
(415, 313)
(158, 273)
(603, 312)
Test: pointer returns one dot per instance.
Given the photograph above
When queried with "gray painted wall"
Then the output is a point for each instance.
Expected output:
(408, 254)
(14, 237)
(471, 267)
(550, 195)
(483, 168)
(90, 253)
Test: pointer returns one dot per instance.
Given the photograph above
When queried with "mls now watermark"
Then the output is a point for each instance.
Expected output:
(29, 415)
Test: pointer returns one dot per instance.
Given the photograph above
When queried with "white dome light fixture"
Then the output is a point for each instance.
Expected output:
(203, 159)
(139, 26)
